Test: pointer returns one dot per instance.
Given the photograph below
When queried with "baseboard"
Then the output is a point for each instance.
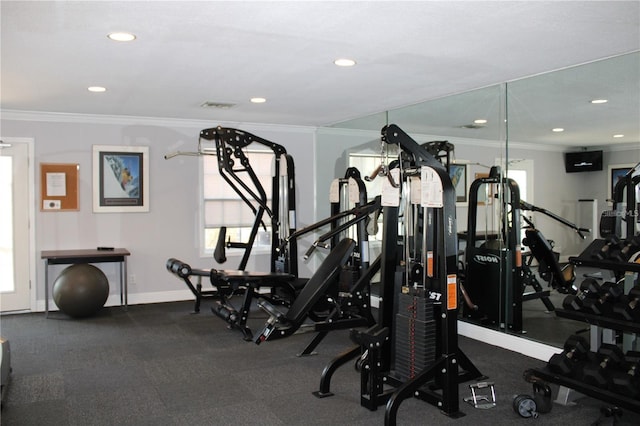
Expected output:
(510, 342)
(133, 299)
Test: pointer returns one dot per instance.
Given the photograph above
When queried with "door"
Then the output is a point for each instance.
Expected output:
(15, 190)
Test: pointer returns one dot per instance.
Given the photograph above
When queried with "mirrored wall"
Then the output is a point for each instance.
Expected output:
(516, 126)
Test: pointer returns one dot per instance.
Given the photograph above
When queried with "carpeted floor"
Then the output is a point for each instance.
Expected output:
(160, 365)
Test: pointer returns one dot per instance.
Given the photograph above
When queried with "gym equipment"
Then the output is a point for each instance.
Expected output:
(612, 242)
(606, 374)
(629, 309)
(286, 324)
(606, 412)
(421, 266)
(599, 373)
(625, 196)
(80, 290)
(589, 287)
(5, 367)
(278, 209)
(493, 270)
(629, 247)
(482, 401)
(549, 269)
(525, 406)
(339, 301)
(229, 282)
(603, 301)
(570, 359)
(627, 380)
(495, 277)
(531, 406)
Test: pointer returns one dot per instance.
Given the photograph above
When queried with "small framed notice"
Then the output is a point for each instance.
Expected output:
(59, 187)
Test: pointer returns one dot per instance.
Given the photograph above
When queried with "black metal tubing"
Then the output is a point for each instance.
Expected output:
(511, 285)
(229, 144)
(626, 186)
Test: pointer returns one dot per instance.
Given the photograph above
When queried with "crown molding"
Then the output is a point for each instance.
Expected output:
(126, 120)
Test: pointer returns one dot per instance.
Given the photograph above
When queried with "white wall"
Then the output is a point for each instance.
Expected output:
(170, 228)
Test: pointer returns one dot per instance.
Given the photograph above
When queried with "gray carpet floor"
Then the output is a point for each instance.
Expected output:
(161, 365)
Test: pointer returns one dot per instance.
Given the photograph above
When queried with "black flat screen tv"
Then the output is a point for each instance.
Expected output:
(582, 161)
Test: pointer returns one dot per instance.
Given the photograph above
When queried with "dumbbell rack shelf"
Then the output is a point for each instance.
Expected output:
(585, 389)
(605, 322)
(600, 320)
(612, 265)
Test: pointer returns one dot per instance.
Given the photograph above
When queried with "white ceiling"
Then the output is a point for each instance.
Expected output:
(189, 52)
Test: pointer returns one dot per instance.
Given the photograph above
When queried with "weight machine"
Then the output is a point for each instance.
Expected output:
(626, 207)
(338, 295)
(277, 210)
(413, 350)
(496, 277)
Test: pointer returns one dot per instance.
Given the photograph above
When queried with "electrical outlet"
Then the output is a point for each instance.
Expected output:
(132, 279)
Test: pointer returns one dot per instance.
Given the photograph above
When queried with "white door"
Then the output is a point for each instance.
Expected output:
(14, 226)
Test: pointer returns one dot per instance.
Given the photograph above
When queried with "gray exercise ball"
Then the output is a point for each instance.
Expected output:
(81, 290)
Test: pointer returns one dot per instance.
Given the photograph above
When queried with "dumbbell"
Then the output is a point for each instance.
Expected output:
(627, 381)
(612, 242)
(598, 374)
(608, 294)
(588, 288)
(629, 308)
(628, 248)
(570, 359)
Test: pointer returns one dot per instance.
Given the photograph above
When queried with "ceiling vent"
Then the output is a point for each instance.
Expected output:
(473, 126)
(219, 105)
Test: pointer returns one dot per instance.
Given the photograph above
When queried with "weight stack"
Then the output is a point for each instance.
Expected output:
(415, 334)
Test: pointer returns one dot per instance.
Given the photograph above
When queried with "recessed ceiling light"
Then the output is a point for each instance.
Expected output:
(599, 101)
(258, 100)
(344, 62)
(618, 136)
(96, 89)
(120, 36)
(480, 121)
(558, 130)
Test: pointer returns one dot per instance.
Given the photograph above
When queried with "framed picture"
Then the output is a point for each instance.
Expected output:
(59, 187)
(120, 179)
(616, 171)
(458, 174)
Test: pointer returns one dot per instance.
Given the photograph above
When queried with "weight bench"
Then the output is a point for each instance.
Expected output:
(549, 268)
(227, 283)
(281, 324)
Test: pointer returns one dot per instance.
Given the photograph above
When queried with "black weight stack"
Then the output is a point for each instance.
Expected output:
(415, 333)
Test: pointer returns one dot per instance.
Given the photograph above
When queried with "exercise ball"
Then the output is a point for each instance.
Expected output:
(81, 290)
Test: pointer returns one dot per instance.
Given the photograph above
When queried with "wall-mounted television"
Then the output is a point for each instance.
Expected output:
(582, 161)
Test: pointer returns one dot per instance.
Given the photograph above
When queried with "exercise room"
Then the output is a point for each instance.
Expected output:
(319, 212)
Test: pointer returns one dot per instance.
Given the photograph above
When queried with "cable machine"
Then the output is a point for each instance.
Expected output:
(413, 350)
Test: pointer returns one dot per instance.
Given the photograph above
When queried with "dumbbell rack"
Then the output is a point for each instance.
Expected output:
(600, 321)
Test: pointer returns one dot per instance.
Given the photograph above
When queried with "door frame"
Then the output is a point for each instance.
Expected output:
(32, 220)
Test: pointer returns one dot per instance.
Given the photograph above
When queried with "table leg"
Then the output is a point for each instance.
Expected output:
(46, 288)
(123, 281)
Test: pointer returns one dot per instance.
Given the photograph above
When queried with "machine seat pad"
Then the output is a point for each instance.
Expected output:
(252, 277)
(318, 284)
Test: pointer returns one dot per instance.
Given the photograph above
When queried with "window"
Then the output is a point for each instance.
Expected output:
(222, 206)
